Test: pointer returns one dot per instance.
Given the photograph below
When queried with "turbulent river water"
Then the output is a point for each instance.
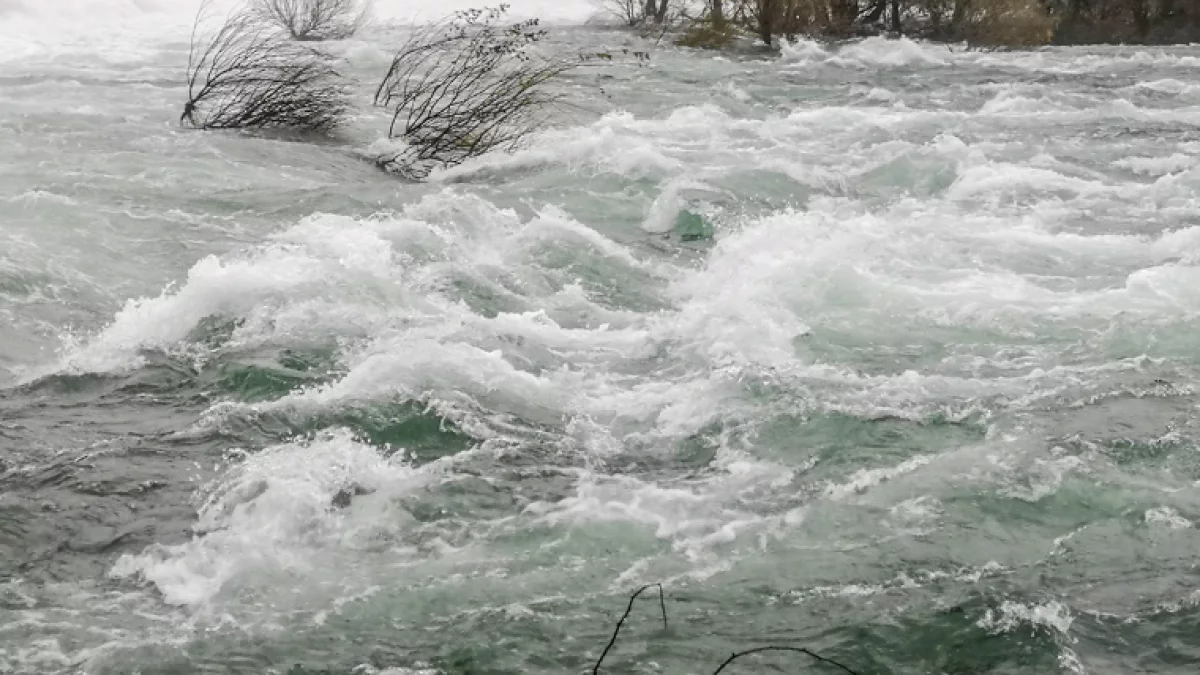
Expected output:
(924, 404)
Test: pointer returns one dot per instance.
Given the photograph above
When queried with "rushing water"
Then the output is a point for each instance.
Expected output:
(925, 404)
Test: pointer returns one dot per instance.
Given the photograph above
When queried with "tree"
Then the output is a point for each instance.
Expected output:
(766, 19)
(1004, 24)
(630, 12)
(661, 15)
(249, 75)
(315, 20)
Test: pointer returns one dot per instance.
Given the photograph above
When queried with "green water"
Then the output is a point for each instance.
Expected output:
(923, 404)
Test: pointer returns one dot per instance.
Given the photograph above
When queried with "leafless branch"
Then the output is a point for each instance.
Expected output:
(467, 85)
(630, 12)
(737, 655)
(733, 657)
(315, 20)
(249, 75)
(617, 631)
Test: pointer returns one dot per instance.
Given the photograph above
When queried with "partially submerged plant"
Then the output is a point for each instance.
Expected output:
(709, 35)
(1006, 24)
(735, 656)
(314, 20)
(464, 86)
(249, 75)
(467, 85)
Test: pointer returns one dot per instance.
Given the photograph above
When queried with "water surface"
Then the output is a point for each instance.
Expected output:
(926, 403)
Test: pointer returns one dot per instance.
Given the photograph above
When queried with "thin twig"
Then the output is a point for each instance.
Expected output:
(246, 75)
(666, 27)
(770, 648)
(315, 20)
(617, 631)
(470, 84)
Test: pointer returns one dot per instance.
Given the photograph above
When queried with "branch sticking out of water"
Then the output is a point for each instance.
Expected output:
(617, 631)
(732, 657)
(772, 648)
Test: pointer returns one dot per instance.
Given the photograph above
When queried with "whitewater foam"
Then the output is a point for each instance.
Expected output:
(275, 512)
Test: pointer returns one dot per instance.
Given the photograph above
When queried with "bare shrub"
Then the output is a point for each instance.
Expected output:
(708, 35)
(315, 20)
(791, 18)
(248, 75)
(630, 12)
(1006, 24)
(468, 85)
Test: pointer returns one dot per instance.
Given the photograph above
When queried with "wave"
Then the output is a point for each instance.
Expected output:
(872, 52)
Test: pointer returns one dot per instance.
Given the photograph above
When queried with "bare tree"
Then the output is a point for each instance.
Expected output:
(630, 12)
(467, 85)
(249, 75)
(315, 20)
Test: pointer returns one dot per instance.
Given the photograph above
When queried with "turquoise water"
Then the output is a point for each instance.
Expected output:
(924, 404)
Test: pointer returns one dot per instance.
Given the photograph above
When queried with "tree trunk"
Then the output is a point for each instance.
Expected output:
(717, 15)
(661, 16)
(960, 13)
(845, 12)
(650, 10)
(876, 12)
(766, 20)
(896, 17)
(1141, 18)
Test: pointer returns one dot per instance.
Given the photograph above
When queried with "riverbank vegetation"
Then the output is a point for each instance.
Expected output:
(980, 23)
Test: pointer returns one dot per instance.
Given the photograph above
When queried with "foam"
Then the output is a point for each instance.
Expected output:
(864, 479)
(699, 518)
(273, 512)
(872, 52)
(1052, 615)
(1165, 516)
(308, 262)
(1168, 86)
(883, 52)
(1158, 166)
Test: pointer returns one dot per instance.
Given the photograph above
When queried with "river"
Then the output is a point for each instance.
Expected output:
(925, 403)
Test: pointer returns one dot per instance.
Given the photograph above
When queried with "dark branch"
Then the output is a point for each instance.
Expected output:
(617, 631)
(737, 655)
(314, 20)
(733, 657)
(248, 75)
(467, 85)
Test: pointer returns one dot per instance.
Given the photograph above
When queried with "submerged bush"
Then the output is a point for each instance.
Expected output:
(468, 85)
(314, 20)
(1006, 24)
(249, 75)
(708, 35)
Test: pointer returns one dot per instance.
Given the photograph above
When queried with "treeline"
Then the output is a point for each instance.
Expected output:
(985, 23)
